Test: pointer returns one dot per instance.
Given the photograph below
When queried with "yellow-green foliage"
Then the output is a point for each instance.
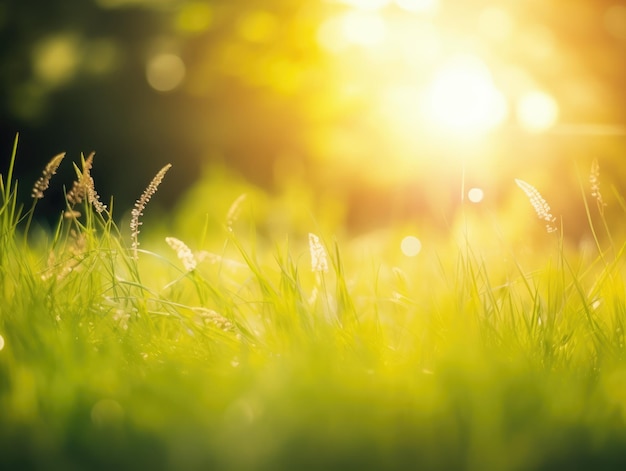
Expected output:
(247, 346)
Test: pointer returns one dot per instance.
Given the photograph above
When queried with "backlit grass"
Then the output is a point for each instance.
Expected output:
(246, 347)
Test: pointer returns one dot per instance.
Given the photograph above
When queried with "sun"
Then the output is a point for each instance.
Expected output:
(462, 98)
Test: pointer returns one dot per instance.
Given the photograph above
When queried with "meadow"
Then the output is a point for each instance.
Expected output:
(227, 342)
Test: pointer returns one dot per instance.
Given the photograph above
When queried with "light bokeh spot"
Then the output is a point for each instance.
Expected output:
(411, 246)
(537, 111)
(463, 99)
(475, 195)
(165, 72)
(1, 342)
(56, 58)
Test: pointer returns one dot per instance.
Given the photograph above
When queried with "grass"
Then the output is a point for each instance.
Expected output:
(261, 352)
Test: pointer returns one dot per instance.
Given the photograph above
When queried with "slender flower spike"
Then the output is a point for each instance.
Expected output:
(594, 183)
(541, 207)
(140, 205)
(319, 259)
(41, 185)
(183, 253)
(233, 211)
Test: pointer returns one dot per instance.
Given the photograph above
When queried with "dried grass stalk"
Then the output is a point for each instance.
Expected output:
(41, 185)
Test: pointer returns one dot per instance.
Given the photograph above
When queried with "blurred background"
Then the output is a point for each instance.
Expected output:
(387, 109)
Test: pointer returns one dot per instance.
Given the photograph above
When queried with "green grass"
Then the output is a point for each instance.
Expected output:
(469, 356)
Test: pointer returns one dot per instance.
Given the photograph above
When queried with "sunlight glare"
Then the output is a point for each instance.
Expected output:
(330, 35)
(416, 6)
(165, 72)
(366, 4)
(463, 98)
(1, 342)
(411, 246)
(399, 106)
(364, 29)
(496, 23)
(475, 195)
(537, 111)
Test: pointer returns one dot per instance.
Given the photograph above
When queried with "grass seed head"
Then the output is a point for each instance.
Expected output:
(41, 185)
(183, 253)
(93, 197)
(140, 205)
(80, 187)
(539, 204)
(209, 316)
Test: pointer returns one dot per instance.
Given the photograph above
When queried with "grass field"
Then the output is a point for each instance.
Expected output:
(260, 349)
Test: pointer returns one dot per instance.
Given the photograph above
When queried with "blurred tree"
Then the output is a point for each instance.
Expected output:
(335, 89)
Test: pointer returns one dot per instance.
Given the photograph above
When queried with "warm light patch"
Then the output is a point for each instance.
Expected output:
(463, 98)
(537, 111)
(330, 35)
(496, 23)
(475, 195)
(165, 72)
(257, 26)
(411, 246)
(364, 29)
(417, 5)
(615, 21)
(399, 106)
(1, 342)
